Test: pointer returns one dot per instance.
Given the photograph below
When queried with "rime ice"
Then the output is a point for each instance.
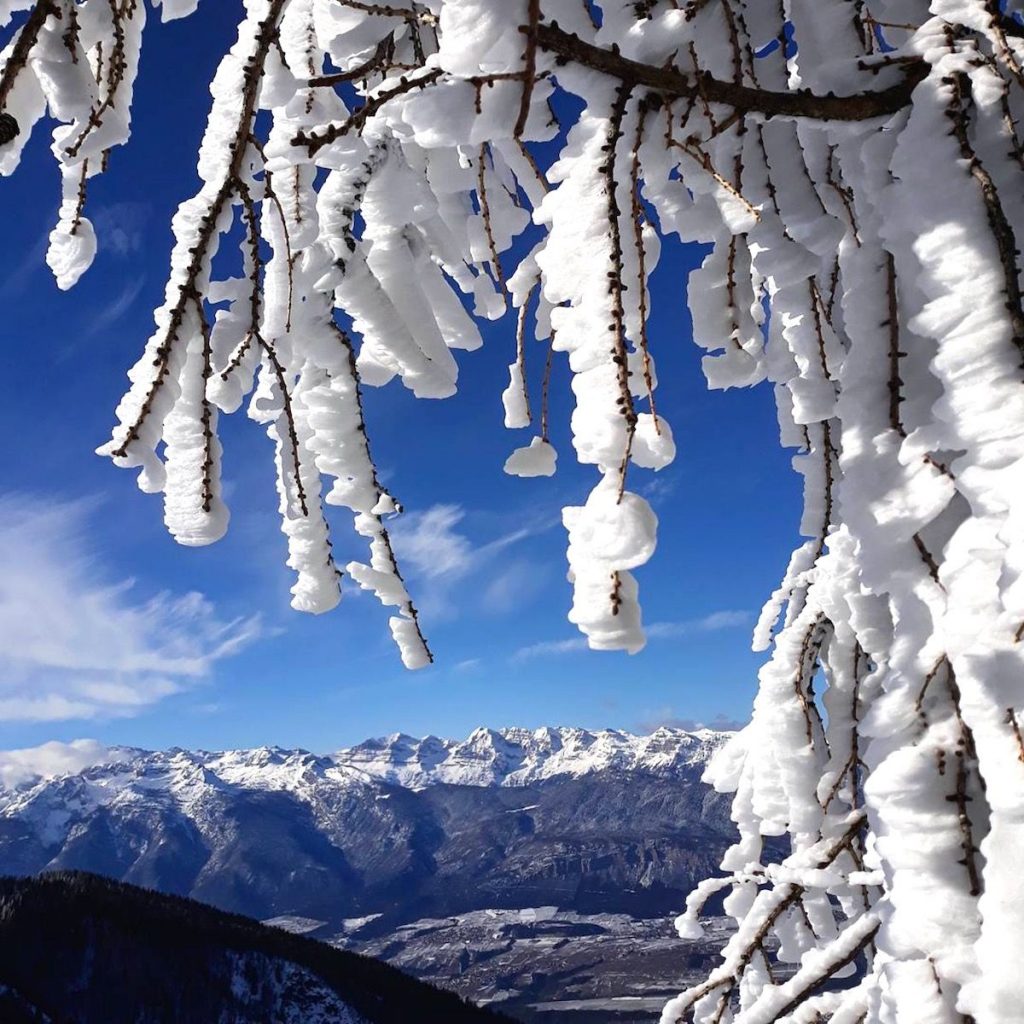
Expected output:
(855, 171)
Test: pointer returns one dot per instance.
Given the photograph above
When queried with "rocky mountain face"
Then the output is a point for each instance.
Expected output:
(363, 846)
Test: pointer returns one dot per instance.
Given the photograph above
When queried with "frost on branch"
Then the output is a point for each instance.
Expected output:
(855, 172)
(76, 61)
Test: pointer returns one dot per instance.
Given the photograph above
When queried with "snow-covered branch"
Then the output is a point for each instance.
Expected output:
(669, 82)
(855, 173)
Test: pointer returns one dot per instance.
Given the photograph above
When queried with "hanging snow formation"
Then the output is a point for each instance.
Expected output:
(856, 169)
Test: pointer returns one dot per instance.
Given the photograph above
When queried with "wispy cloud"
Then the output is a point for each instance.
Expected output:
(512, 587)
(121, 227)
(208, 708)
(666, 718)
(546, 647)
(33, 262)
(108, 315)
(51, 759)
(75, 647)
(707, 624)
(659, 488)
(432, 546)
(655, 631)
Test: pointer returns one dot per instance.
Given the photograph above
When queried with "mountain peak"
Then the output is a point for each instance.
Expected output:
(518, 756)
(507, 757)
(509, 817)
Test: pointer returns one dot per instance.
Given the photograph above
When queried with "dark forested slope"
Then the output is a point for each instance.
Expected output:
(79, 949)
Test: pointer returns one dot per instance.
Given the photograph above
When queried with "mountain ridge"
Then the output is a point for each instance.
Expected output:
(487, 757)
(478, 863)
(517, 756)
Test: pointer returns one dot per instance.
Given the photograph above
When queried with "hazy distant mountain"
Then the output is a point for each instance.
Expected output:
(361, 845)
(78, 949)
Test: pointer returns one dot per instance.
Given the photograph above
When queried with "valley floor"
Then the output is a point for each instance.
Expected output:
(546, 965)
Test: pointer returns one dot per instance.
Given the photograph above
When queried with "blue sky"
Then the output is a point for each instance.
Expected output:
(110, 630)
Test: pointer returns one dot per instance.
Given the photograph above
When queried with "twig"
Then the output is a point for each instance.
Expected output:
(23, 46)
(387, 11)
(529, 66)
(208, 222)
(617, 328)
(638, 241)
(485, 215)
(521, 349)
(314, 141)
(1002, 231)
(545, 388)
(893, 324)
(289, 417)
(381, 56)
(409, 609)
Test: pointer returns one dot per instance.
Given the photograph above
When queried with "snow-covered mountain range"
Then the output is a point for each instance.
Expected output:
(487, 757)
(366, 841)
(219, 825)
(520, 757)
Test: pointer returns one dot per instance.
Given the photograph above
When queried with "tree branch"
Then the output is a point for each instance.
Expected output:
(387, 11)
(380, 57)
(529, 66)
(828, 970)
(208, 229)
(671, 82)
(23, 47)
(728, 976)
(999, 223)
(314, 141)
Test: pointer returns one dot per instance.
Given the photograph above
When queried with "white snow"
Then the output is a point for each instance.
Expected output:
(536, 459)
(519, 757)
(867, 268)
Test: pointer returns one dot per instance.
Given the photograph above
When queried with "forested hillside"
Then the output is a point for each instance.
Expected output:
(79, 949)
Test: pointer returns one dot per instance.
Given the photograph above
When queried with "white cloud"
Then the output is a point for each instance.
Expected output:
(708, 624)
(32, 263)
(667, 718)
(511, 588)
(660, 487)
(208, 708)
(51, 759)
(106, 317)
(121, 227)
(576, 643)
(431, 549)
(655, 631)
(73, 646)
(428, 543)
